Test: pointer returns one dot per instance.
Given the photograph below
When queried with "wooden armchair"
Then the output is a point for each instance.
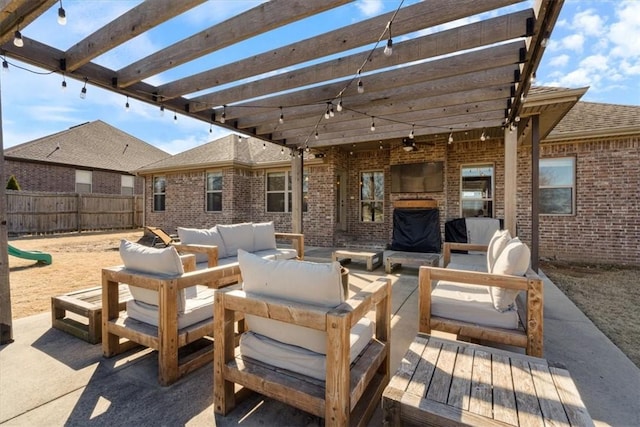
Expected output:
(171, 324)
(467, 288)
(348, 392)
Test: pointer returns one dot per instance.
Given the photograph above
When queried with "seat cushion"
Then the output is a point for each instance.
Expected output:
(144, 259)
(318, 284)
(280, 253)
(197, 308)
(514, 260)
(470, 303)
(264, 236)
(298, 359)
(236, 236)
(496, 246)
(200, 236)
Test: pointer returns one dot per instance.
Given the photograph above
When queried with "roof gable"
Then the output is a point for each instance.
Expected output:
(592, 119)
(95, 145)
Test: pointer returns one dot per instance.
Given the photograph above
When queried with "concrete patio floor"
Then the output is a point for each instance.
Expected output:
(50, 378)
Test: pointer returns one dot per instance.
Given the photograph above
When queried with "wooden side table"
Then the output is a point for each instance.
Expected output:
(444, 383)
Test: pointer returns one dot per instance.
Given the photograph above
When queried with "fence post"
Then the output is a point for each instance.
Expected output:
(79, 213)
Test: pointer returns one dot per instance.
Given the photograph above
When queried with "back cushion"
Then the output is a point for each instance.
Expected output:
(237, 236)
(164, 262)
(264, 236)
(298, 281)
(496, 245)
(198, 236)
(514, 260)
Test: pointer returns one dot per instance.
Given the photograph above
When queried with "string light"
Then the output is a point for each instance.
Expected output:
(162, 111)
(388, 49)
(223, 117)
(126, 106)
(326, 113)
(281, 119)
(62, 15)
(63, 85)
(381, 147)
(450, 137)
(331, 113)
(373, 125)
(5, 65)
(175, 116)
(17, 38)
(360, 86)
(83, 91)
(483, 137)
(339, 107)
(316, 135)
(264, 145)
(411, 134)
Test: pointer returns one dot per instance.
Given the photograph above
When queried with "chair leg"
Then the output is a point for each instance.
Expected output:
(224, 339)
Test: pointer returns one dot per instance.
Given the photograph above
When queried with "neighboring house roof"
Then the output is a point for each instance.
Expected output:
(229, 150)
(591, 119)
(94, 145)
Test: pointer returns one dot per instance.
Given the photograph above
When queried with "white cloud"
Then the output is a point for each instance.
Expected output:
(588, 22)
(559, 61)
(631, 69)
(579, 78)
(595, 63)
(625, 32)
(370, 7)
(573, 42)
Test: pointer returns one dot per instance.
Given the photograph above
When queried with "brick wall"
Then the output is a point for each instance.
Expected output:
(56, 178)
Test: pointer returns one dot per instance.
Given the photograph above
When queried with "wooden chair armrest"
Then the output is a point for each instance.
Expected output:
(447, 247)
(297, 241)
(210, 250)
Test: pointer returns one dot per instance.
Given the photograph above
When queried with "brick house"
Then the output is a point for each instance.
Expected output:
(589, 183)
(92, 157)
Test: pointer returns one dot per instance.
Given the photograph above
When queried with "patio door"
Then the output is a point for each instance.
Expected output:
(341, 200)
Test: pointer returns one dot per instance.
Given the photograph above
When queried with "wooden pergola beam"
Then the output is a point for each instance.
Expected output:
(262, 18)
(124, 28)
(478, 34)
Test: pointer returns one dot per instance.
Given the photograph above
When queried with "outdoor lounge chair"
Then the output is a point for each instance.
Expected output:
(161, 237)
(305, 345)
(172, 307)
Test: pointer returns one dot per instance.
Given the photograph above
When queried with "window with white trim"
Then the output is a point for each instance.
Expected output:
(214, 192)
(279, 192)
(557, 186)
(83, 181)
(159, 193)
(372, 196)
(127, 185)
(476, 190)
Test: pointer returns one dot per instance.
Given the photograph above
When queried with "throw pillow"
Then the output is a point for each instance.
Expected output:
(198, 236)
(514, 260)
(264, 236)
(496, 245)
(237, 236)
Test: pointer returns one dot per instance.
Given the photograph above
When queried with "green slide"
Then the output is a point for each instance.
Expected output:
(34, 255)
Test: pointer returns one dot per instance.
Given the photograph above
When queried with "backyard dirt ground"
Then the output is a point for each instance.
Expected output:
(608, 295)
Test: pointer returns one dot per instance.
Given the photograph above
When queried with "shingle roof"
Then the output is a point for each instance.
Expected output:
(597, 118)
(228, 149)
(95, 145)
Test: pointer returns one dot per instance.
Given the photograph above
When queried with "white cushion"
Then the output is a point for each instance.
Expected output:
(469, 303)
(197, 308)
(305, 282)
(236, 236)
(298, 359)
(200, 236)
(163, 262)
(513, 260)
(496, 245)
(264, 236)
(480, 230)
(280, 253)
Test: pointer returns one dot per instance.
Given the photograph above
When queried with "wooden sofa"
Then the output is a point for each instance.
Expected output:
(341, 379)
(219, 245)
(165, 323)
(468, 271)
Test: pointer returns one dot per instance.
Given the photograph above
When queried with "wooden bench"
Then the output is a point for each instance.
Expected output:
(415, 259)
(373, 259)
(86, 303)
(442, 382)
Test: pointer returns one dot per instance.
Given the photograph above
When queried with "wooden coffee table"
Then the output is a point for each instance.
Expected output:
(372, 258)
(444, 382)
(415, 259)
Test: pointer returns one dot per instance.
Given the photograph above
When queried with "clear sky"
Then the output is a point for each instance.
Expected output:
(595, 43)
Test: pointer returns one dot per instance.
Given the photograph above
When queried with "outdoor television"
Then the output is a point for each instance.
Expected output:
(427, 177)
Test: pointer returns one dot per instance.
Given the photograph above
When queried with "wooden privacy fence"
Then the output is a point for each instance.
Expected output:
(31, 212)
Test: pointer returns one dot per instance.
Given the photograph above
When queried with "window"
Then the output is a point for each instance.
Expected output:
(127, 185)
(476, 194)
(372, 196)
(557, 186)
(214, 191)
(83, 181)
(279, 195)
(159, 193)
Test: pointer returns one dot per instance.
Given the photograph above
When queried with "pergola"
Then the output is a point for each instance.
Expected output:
(312, 93)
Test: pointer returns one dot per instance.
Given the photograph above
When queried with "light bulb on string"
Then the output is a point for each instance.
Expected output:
(388, 49)
(307, 148)
(316, 135)
(331, 113)
(360, 86)
(5, 65)
(450, 137)
(281, 119)
(17, 39)
(264, 145)
(175, 117)
(223, 116)
(373, 125)
(412, 134)
(339, 107)
(483, 136)
(126, 106)
(63, 85)
(83, 91)
(161, 110)
(326, 113)
(62, 15)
